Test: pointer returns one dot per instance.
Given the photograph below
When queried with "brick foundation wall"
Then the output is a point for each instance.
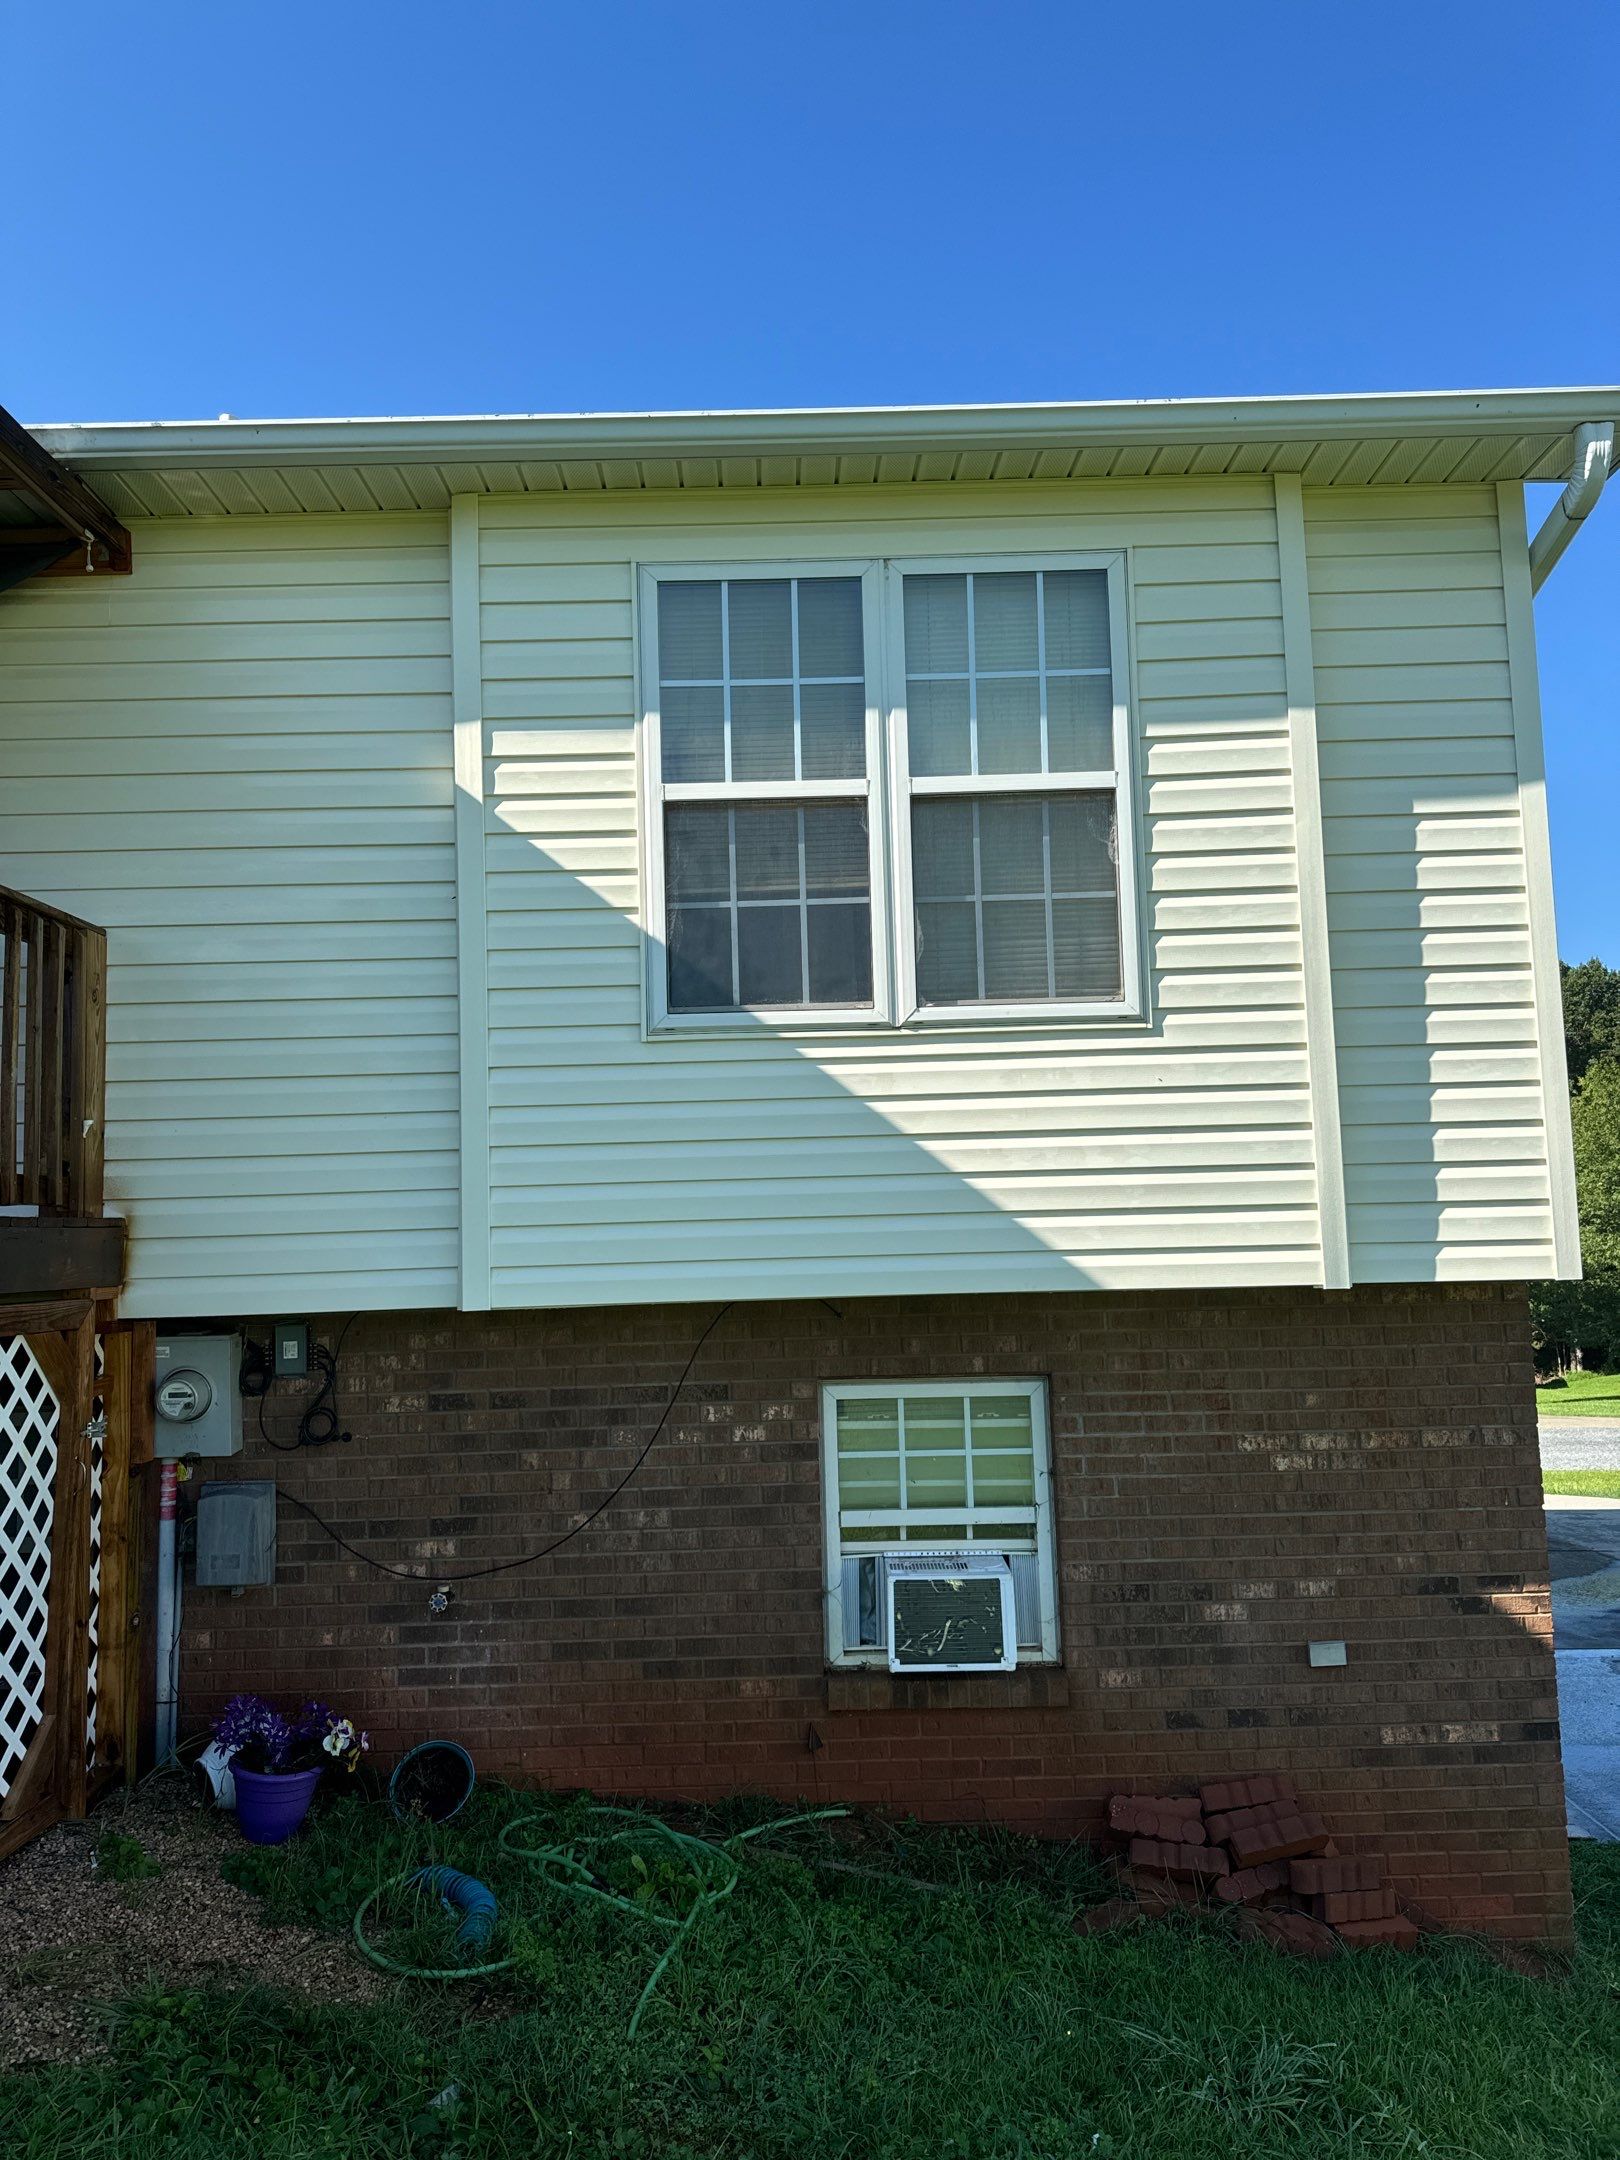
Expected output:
(1235, 1473)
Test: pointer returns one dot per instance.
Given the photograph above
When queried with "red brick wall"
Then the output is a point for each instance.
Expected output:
(1235, 1473)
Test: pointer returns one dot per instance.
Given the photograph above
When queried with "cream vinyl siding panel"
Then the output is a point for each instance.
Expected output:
(790, 1161)
(1445, 1140)
(239, 760)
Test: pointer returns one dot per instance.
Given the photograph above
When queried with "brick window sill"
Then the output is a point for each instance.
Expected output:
(1032, 1687)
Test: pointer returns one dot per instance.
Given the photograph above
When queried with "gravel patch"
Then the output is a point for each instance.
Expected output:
(76, 1941)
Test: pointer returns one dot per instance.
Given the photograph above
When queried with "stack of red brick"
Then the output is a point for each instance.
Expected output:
(1251, 1843)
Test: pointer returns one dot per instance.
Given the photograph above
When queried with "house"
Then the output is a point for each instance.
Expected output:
(791, 992)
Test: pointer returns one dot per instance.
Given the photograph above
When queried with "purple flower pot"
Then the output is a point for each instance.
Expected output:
(271, 1804)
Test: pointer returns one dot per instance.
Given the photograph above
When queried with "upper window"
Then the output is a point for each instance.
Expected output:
(982, 806)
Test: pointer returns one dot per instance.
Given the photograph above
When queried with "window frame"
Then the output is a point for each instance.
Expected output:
(888, 789)
(875, 1657)
(657, 794)
(1118, 780)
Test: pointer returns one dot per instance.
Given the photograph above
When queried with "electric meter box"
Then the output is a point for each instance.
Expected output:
(236, 1533)
(197, 1399)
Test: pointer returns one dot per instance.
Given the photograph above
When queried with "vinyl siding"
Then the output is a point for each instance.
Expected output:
(241, 761)
(238, 760)
(1445, 1140)
(789, 1162)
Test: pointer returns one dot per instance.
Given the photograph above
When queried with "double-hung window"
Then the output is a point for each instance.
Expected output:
(762, 735)
(914, 1466)
(896, 793)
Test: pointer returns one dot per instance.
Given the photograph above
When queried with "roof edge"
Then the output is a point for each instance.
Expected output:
(524, 436)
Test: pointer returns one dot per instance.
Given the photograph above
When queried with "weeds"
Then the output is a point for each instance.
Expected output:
(937, 2007)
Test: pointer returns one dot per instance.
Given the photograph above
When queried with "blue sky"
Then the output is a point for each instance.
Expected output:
(499, 207)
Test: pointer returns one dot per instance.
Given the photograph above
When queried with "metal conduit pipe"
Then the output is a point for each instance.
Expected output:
(1594, 453)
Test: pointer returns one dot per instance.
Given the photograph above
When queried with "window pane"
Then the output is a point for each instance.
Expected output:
(1004, 620)
(1017, 898)
(868, 1421)
(936, 625)
(832, 730)
(1076, 618)
(1085, 939)
(936, 1480)
(767, 851)
(1009, 723)
(937, 726)
(770, 956)
(947, 952)
(840, 954)
(1080, 723)
(942, 848)
(698, 846)
(1015, 949)
(830, 626)
(689, 631)
(837, 854)
(762, 732)
(935, 1421)
(869, 1484)
(692, 726)
(1084, 853)
(700, 959)
(794, 890)
(761, 627)
(1012, 844)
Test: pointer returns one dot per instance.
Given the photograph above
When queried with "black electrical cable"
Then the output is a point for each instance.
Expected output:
(318, 1421)
(503, 1567)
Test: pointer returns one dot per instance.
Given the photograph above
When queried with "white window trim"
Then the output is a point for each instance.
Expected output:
(1120, 781)
(655, 793)
(888, 789)
(923, 1518)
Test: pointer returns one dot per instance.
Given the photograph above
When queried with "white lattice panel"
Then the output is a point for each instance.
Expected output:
(98, 1454)
(28, 1422)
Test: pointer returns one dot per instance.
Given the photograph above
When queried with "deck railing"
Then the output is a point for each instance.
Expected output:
(53, 1058)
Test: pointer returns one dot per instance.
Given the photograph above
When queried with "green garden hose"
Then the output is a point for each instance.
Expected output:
(714, 1870)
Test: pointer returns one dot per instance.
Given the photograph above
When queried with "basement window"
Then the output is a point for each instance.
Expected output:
(930, 1466)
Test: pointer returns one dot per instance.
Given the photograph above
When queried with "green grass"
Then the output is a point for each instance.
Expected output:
(828, 2015)
(1581, 1394)
(1588, 1484)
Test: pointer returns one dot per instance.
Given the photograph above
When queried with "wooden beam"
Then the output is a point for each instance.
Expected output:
(40, 1257)
(42, 1316)
(34, 1775)
(61, 494)
(115, 1605)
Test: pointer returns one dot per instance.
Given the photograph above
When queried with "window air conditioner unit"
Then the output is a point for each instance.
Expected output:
(950, 1612)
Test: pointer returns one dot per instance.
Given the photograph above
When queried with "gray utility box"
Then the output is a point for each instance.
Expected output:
(236, 1533)
(198, 1398)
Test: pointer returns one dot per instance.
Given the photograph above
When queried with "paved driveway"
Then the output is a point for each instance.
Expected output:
(1578, 1443)
(1583, 1548)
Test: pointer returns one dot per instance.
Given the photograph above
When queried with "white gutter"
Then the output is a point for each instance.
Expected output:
(1594, 454)
(1289, 421)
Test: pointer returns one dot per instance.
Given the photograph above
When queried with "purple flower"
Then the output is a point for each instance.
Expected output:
(249, 1723)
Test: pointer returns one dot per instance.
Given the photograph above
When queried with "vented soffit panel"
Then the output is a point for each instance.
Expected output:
(233, 468)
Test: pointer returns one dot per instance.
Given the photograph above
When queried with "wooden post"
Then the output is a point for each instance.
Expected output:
(84, 1105)
(10, 1045)
(116, 1597)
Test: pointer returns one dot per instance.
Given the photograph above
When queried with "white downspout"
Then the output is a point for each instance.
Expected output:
(1594, 453)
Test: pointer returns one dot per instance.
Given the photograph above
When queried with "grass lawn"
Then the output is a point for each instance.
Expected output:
(1581, 1394)
(1586, 1484)
(821, 2013)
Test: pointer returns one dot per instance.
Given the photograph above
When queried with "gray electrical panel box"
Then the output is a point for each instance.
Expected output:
(198, 1400)
(236, 1533)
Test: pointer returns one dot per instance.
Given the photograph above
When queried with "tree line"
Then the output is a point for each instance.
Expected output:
(1578, 1323)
